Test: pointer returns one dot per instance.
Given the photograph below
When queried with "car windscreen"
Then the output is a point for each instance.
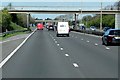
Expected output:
(115, 32)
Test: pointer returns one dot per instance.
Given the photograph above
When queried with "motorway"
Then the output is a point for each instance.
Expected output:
(79, 56)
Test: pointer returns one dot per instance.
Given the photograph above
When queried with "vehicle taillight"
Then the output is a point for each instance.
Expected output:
(110, 37)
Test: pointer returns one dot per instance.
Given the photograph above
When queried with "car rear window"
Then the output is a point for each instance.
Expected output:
(115, 32)
(62, 26)
(51, 26)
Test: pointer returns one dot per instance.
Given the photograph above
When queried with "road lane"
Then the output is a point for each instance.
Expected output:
(46, 56)
(40, 57)
(94, 61)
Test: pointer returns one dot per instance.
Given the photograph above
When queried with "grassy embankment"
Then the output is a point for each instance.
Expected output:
(15, 27)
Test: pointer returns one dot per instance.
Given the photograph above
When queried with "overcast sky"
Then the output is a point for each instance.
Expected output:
(43, 16)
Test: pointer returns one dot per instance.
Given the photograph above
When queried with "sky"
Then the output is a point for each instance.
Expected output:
(72, 3)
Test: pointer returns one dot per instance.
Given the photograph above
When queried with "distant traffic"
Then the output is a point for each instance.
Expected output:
(109, 37)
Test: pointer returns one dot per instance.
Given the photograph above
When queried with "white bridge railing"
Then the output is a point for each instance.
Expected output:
(60, 8)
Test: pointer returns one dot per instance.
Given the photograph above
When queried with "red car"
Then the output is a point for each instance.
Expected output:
(40, 26)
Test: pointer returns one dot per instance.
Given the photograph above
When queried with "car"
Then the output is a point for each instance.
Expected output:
(93, 28)
(40, 26)
(50, 27)
(111, 36)
(82, 28)
(63, 29)
(106, 28)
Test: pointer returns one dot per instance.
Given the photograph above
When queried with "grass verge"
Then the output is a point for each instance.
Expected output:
(10, 35)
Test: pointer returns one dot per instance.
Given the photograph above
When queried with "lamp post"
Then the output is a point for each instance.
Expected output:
(101, 18)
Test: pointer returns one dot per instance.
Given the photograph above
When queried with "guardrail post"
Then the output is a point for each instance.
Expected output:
(117, 20)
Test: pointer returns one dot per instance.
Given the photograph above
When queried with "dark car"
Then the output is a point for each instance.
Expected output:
(51, 27)
(111, 36)
(82, 28)
(106, 28)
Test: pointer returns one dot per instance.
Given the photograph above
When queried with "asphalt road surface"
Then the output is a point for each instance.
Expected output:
(79, 56)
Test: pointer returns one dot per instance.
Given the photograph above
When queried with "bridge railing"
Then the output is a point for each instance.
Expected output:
(61, 8)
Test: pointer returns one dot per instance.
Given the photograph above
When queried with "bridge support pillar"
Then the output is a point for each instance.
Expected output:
(75, 27)
(28, 20)
(117, 20)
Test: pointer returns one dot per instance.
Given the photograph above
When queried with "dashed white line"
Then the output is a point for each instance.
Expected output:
(61, 49)
(58, 44)
(66, 55)
(107, 48)
(82, 39)
(55, 41)
(96, 44)
(75, 65)
(88, 41)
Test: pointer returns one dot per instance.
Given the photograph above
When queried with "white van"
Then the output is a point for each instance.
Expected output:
(63, 28)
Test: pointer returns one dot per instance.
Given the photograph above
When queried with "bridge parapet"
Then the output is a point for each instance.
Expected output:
(59, 8)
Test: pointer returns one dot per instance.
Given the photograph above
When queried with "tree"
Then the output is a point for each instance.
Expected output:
(0, 21)
(6, 20)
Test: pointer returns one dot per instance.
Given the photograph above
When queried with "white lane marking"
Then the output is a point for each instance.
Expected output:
(12, 53)
(88, 34)
(66, 55)
(58, 44)
(61, 49)
(96, 44)
(88, 41)
(55, 41)
(107, 48)
(82, 39)
(75, 65)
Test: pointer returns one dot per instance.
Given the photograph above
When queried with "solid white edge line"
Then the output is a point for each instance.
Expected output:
(12, 53)
(75, 65)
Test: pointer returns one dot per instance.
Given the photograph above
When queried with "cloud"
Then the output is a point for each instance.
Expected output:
(59, 0)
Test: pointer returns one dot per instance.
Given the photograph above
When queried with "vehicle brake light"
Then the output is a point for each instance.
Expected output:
(110, 37)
